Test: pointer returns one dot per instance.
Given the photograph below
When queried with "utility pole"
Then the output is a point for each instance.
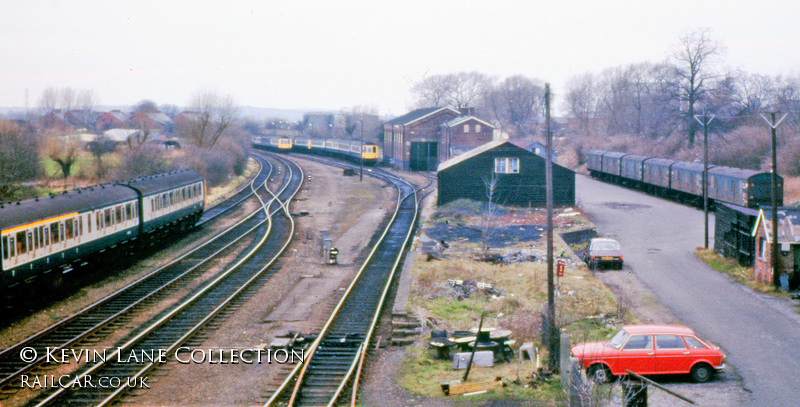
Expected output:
(361, 153)
(552, 339)
(705, 122)
(775, 244)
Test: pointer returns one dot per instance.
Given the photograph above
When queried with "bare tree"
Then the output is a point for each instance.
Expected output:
(213, 115)
(581, 99)
(517, 101)
(491, 211)
(99, 147)
(457, 90)
(63, 151)
(19, 159)
(145, 105)
(432, 91)
(692, 67)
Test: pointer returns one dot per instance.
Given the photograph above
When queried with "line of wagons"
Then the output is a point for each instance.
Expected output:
(683, 180)
(352, 150)
(41, 239)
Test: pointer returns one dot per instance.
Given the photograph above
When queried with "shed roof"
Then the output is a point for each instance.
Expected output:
(464, 119)
(788, 224)
(418, 114)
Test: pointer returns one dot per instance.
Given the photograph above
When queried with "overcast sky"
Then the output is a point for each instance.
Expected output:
(339, 54)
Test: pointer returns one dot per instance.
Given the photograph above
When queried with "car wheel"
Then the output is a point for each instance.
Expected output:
(599, 373)
(701, 373)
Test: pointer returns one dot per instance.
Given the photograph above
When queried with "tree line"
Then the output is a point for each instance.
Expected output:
(636, 106)
(32, 152)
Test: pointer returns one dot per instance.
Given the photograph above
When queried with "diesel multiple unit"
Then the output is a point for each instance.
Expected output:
(343, 148)
(42, 238)
(683, 181)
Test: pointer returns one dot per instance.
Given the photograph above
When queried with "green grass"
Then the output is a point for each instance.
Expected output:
(743, 275)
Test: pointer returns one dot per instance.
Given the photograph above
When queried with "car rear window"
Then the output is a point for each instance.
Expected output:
(693, 343)
(605, 246)
(669, 342)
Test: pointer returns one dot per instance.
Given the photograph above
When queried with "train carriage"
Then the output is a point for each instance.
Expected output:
(742, 187)
(595, 162)
(631, 166)
(611, 165)
(656, 175)
(47, 235)
(278, 142)
(171, 199)
(687, 179)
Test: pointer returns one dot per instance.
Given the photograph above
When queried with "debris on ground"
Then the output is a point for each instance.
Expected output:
(462, 289)
(456, 388)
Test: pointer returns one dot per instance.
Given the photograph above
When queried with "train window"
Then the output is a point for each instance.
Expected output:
(172, 198)
(70, 229)
(42, 232)
(152, 205)
(107, 214)
(79, 221)
(21, 243)
(183, 194)
(61, 231)
(128, 213)
(35, 238)
(5, 247)
(47, 236)
(89, 223)
(30, 241)
(164, 200)
(118, 212)
(135, 209)
(11, 252)
(54, 237)
(98, 218)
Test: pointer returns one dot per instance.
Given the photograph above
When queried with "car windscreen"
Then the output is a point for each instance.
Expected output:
(605, 246)
(618, 339)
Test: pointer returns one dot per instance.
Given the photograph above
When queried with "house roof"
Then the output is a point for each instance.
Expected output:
(472, 153)
(419, 114)
(464, 119)
(788, 224)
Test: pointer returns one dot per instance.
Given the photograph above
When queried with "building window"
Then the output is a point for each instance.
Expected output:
(762, 248)
(477, 128)
(506, 165)
(466, 128)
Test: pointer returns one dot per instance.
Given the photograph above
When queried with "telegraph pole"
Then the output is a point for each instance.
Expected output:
(552, 337)
(705, 122)
(774, 252)
(361, 153)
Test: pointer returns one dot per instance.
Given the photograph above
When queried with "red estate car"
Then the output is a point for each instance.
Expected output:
(650, 350)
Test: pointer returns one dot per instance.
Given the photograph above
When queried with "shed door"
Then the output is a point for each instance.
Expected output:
(423, 156)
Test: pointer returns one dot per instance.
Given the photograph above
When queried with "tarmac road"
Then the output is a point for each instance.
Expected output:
(760, 334)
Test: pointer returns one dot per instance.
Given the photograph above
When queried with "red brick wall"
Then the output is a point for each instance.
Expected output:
(762, 266)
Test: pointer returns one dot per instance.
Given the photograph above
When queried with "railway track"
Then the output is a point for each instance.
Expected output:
(99, 319)
(336, 357)
(189, 316)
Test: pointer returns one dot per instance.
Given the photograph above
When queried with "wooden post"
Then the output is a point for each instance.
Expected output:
(552, 340)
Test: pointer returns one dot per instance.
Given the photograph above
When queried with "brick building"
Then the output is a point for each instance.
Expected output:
(789, 240)
(463, 134)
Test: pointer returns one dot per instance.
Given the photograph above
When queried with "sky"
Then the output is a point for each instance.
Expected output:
(332, 55)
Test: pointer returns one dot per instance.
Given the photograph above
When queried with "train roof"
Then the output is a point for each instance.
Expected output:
(162, 182)
(601, 152)
(690, 165)
(733, 172)
(80, 200)
(635, 157)
(660, 161)
(613, 154)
